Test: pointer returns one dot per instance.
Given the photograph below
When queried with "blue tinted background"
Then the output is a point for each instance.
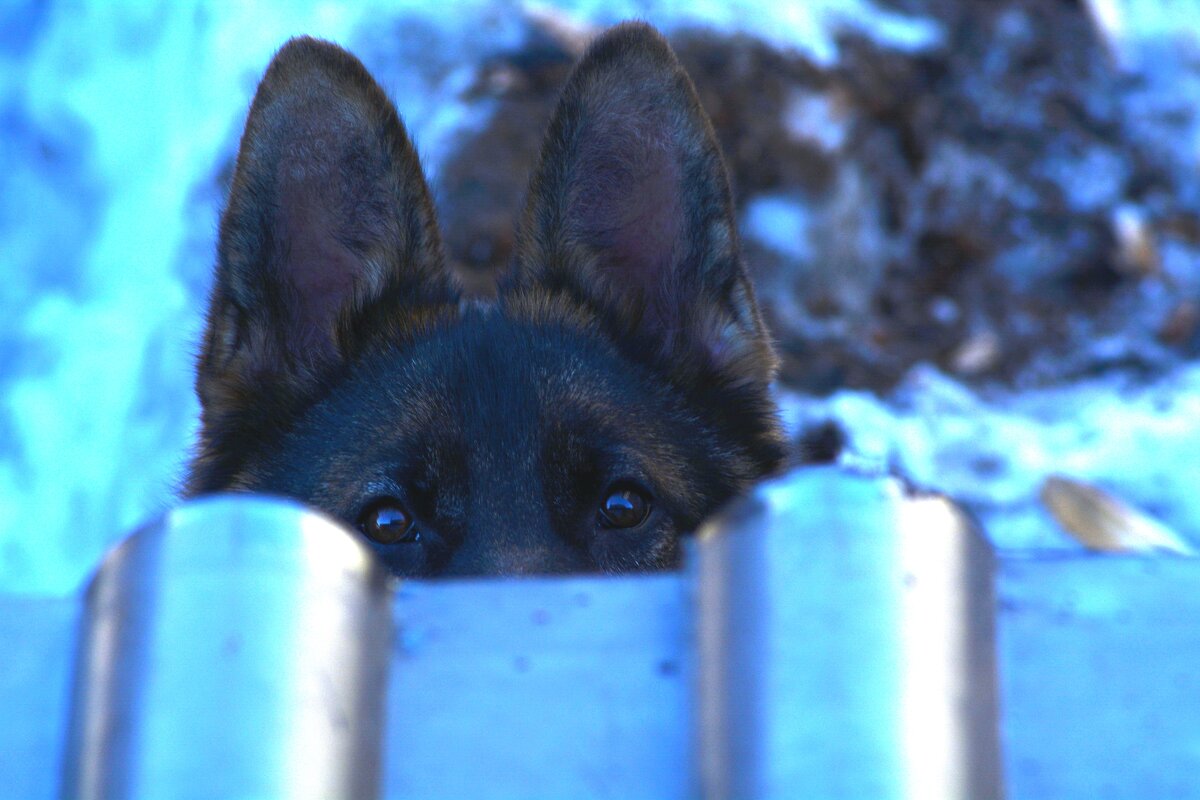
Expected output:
(116, 119)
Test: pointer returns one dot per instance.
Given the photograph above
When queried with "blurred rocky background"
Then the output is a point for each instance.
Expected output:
(1016, 201)
(995, 230)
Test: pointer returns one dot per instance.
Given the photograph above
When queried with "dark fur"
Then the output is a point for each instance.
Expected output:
(340, 365)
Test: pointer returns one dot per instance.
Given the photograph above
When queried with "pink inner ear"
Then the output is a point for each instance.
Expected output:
(317, 272)
(647, 234)
(627, 204)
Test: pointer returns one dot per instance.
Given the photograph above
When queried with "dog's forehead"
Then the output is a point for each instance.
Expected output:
(480, 411)
(485, 386)
(489, 365)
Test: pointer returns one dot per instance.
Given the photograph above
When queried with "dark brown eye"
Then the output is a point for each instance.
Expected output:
(388, 522)
(624, 507)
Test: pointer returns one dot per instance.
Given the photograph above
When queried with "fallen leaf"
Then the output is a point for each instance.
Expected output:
(1102, 522)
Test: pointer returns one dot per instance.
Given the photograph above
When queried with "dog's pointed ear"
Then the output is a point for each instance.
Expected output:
(629, 211)
(328, 233)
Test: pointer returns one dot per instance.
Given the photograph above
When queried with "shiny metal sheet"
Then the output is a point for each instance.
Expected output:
(541, 688)
(236, 647)
(846, 646)
(37, 637)
(580, 687)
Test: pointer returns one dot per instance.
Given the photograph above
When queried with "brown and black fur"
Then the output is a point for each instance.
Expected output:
(341, 364)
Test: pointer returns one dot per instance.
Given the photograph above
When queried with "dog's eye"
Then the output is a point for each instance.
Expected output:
(388, 522)
(624, 507)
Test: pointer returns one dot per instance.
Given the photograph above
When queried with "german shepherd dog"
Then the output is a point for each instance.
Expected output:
(612, 394)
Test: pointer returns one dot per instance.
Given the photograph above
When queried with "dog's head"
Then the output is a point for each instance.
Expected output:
(613, 394)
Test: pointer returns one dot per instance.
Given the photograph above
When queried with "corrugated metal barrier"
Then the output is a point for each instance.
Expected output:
(830, 637)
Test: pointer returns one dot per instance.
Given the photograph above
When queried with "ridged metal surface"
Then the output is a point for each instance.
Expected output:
(236, 647)
(846, 647)
(831, 637)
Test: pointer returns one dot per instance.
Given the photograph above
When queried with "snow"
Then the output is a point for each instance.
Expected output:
(114, 123)
(135, 108)
(992, 451)
(779, 222)
(808, 27)
(1135, 26)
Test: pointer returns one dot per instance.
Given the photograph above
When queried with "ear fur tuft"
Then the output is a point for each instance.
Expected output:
(629, 210)
(329, 228)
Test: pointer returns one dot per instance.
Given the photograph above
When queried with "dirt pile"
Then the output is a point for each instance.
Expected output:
(1014, 204)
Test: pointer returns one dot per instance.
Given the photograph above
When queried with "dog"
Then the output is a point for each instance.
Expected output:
(613, 393)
